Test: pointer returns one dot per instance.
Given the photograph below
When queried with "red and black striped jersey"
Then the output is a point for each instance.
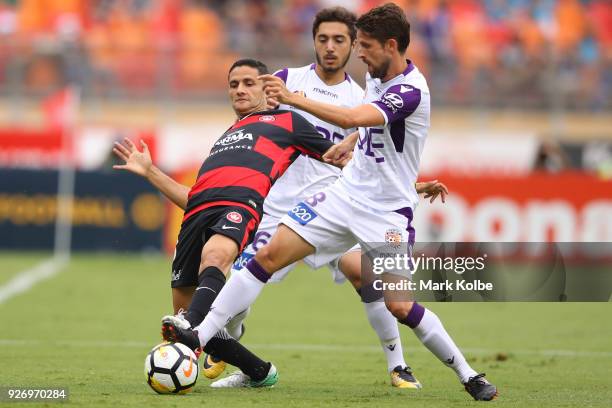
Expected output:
(245, 162)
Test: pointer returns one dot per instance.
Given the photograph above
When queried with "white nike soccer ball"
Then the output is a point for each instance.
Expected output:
(171, 368)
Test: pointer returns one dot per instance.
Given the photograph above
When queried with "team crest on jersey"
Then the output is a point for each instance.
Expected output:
(234, 217)
(393, 237)
(267, 118)
(234, 137)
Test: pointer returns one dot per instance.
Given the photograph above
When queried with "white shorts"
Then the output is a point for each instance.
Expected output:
(264, 233)
(333, 222)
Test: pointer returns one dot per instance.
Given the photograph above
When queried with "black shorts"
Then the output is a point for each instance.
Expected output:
(236, 223)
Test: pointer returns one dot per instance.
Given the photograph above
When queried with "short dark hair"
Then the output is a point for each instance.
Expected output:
(386, 22)
(336, 15)
(250, 62)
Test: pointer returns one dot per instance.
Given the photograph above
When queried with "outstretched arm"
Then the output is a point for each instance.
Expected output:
(139, 162)
(362, 115)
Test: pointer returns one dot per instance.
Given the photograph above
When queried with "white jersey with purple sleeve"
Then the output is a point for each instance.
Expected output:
(307, 176)
(386, 158)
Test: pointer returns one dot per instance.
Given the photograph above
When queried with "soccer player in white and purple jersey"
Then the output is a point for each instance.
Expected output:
(375, 195)
(325, 81)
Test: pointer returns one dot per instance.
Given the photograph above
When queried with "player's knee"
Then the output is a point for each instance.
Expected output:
(217, 257)
(266, 257)
(351, 273)
(399, 309)
(354, 278)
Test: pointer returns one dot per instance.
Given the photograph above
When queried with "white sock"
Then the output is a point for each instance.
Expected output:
(432, 334)
(385, 326)
(238, 294)
(234, 327)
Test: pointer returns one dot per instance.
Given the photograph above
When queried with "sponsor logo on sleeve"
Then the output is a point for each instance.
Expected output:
(393, 101)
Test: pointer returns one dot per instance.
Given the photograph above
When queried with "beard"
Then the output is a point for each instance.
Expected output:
(381, 71)
(331, 70)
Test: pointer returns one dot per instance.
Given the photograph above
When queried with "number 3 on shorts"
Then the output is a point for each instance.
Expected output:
(302, 213)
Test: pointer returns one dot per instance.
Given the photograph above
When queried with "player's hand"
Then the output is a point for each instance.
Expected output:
(271, 103)
(275, 88)
(432, 189)
(338, 155)
(345, 159)
(136, 161)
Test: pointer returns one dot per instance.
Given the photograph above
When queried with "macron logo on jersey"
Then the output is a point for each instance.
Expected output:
(325, 92)
(234, 138)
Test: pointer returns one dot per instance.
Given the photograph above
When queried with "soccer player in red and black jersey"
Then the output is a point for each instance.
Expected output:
(225, 205)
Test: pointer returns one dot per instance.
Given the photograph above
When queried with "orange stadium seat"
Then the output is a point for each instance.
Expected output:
(201, 40)
(571, 24)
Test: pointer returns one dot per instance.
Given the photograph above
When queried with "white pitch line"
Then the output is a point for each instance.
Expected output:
(330, 348)
(30, 277)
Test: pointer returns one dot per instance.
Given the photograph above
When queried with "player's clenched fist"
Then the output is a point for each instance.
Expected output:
(338, 155)
(275, 88)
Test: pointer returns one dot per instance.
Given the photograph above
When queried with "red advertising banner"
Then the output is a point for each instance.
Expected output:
(539, 207)
(86, 148)
(35, 148)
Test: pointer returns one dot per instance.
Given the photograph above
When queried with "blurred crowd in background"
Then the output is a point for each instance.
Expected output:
(500, 53)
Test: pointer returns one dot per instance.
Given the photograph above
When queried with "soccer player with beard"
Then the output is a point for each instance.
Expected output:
(334, 33)
(376, 193)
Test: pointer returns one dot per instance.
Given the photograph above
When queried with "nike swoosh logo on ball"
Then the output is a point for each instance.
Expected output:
(190, 370)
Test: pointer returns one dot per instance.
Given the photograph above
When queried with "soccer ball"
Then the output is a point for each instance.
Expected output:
(171, 368)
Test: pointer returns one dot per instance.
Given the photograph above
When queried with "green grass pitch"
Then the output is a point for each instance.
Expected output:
(89, 328)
